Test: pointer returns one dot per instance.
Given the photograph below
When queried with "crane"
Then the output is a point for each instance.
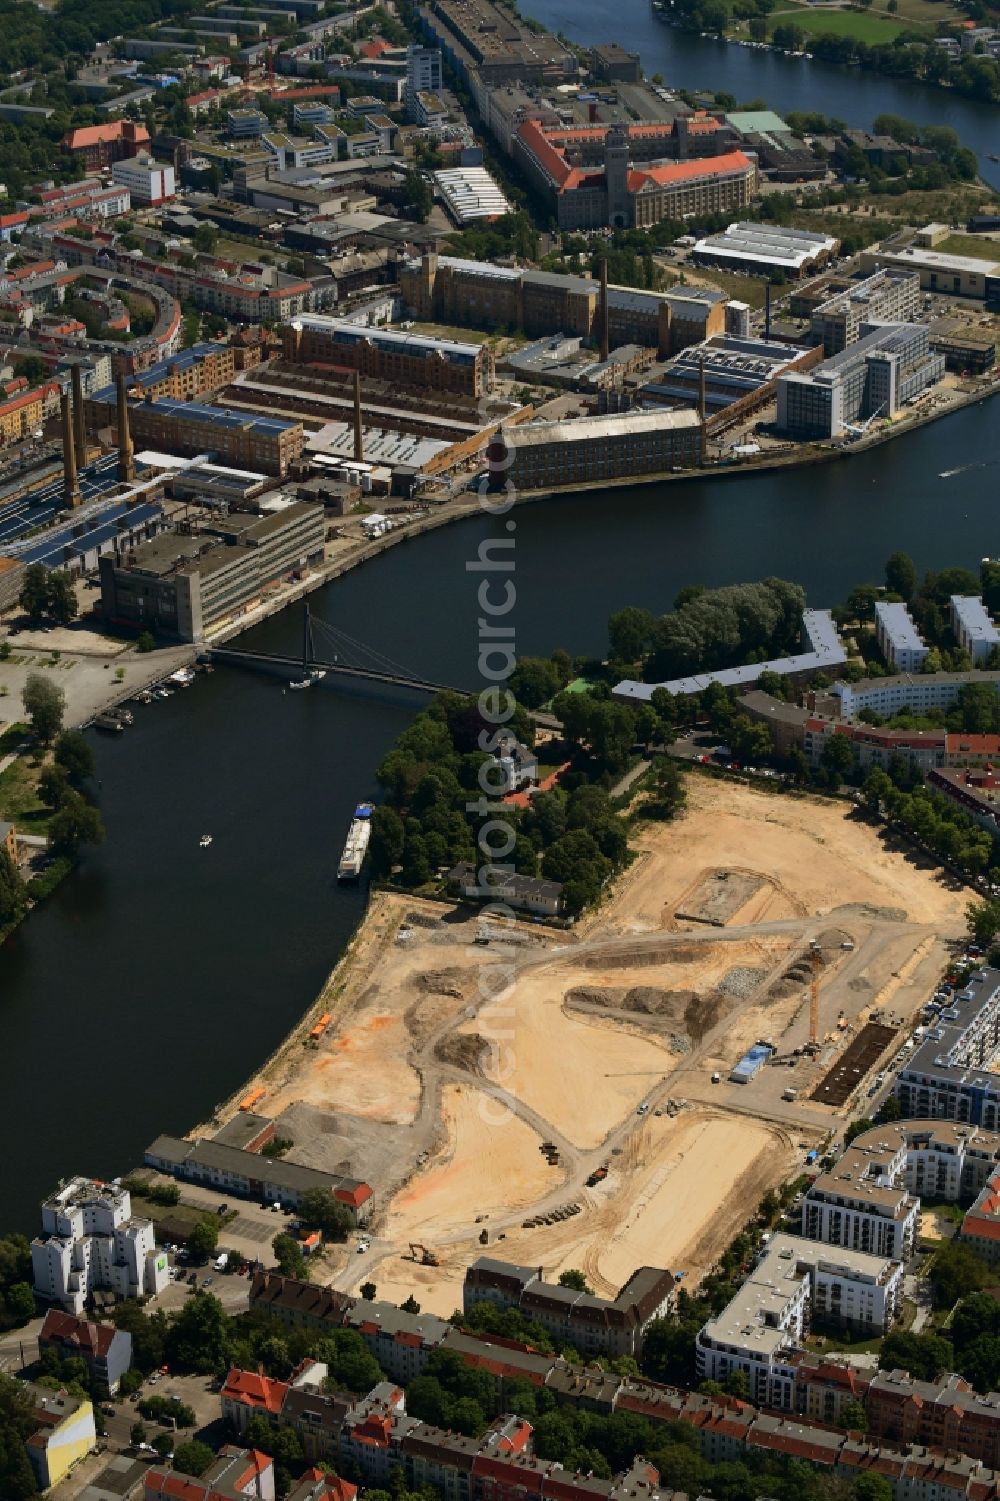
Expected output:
(816, 959)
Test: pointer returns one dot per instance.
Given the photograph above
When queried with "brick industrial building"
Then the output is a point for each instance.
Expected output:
(624, 190)
(452, 290)
(536, 455)
(267, 445)
(391, 355)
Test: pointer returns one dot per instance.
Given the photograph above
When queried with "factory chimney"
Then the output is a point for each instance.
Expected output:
(71, 484)
(79, 425)
(359, 446)
(702, 405)
(126, 458)
(605, 336)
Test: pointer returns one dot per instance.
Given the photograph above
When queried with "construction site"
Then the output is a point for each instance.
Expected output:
(624, 1093)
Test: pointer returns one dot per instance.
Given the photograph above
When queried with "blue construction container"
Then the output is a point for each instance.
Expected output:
(751, 1063)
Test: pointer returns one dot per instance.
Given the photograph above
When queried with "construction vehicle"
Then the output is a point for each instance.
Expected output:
(422, 1255)
(597, 1176)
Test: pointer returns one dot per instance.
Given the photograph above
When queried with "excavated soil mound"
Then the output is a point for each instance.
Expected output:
(465, 1051)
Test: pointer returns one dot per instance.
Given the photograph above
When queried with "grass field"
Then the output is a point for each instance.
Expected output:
(977, 246)
(859, 24)
(748, 289)
(19, 800)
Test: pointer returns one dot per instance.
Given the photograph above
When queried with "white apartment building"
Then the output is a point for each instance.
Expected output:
(423, 75)
(863, 1202)
(973, 626)
(898, 639)
(90, 1242)
(759, 1330)
(889, 696)
(148, 182)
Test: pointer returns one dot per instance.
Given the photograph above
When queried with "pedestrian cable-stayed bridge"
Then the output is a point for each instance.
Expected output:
(329, 652)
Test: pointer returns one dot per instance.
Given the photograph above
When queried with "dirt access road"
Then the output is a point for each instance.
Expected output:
(459, 1060)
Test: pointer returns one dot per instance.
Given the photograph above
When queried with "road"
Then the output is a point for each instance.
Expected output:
(873, 932)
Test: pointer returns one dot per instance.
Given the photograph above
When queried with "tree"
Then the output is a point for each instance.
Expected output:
(76, 823)
(198, 1339)
(13, 896)
(901, 575)
(193, 1458)
(983, 919)
(410, 1305)
(205, 239)
(629, 633)
(574, 1278)
(288, 1254)
(534, 681)
(163, 1443)
(137, 1434)
(417, 195)
(34, 591)
(145, 642)
(385, 849)
(44, 703)
(319, 1208)
(74, 754)
(871, 1487)
(53, 786)
(61, 606)
(369, 1291)
(853, 1417)
(204, 1237)
(955, 1272)
(925, 1356)
(838, 756)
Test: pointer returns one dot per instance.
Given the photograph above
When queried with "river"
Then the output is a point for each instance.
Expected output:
(687, 60)
(160, 974)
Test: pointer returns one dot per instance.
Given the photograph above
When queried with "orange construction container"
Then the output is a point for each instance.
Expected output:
(253, 1098)
(317, 1032)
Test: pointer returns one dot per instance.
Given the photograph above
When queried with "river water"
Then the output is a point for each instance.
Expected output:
(160, 974)
(687, 60)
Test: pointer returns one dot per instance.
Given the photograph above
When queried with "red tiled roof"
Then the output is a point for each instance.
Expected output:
(255, 1390)
(361, 1194)
(96, 135)
(675, 172)
(93, 1339)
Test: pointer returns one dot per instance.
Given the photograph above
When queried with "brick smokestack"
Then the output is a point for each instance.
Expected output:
(79, 425)
(605, 334)
(71, 484)
(359, 444)
(702, 406)
(126, 458)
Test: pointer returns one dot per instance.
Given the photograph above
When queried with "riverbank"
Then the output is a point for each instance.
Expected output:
(90, 691)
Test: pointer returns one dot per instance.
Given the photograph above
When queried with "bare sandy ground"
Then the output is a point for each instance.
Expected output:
(815, 855)
(404, 1047)
(681, 1190)
(581, 1074)
(492, 1167)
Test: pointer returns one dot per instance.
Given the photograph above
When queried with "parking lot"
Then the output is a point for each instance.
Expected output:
(252, 1230)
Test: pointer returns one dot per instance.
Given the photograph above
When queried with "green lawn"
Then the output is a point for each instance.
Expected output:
(860, 24)
(975, 245)
(748, 289)
(19, 801)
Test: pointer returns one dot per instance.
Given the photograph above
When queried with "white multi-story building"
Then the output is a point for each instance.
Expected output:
(759, 1330)
(423, 75)
(973, 626)
(91, 1242)
(863, 1204)
(898, 639)
(148, 182)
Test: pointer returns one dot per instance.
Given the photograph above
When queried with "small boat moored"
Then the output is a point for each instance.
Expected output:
(204, 841)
